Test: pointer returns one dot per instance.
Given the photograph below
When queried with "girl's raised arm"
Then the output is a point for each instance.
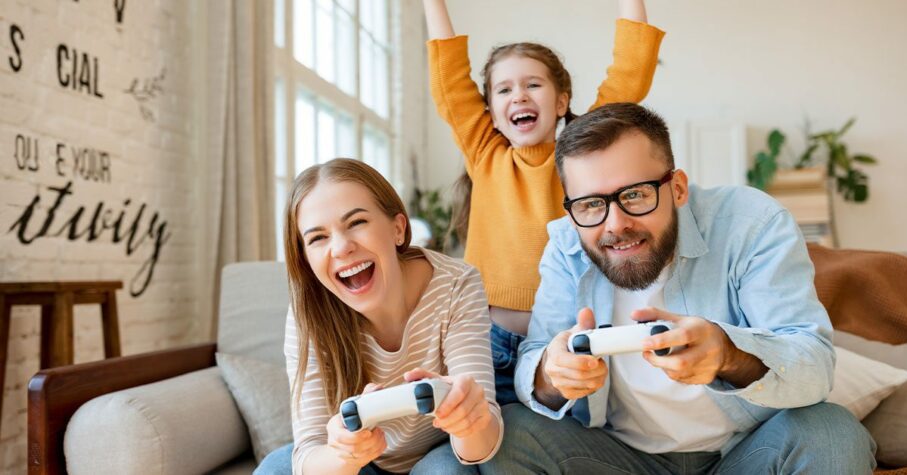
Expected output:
(439, 25)
(456, 96)
(636, 45)
(630, 9)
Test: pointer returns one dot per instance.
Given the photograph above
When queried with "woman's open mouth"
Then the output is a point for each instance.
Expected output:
(358, 277)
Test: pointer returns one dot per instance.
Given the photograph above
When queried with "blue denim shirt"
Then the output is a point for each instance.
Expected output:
(740, 262)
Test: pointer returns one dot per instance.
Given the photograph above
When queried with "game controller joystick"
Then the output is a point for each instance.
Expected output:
(610, 340)
(368, 410)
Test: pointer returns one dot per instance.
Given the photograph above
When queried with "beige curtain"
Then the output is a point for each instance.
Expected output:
(239, 129)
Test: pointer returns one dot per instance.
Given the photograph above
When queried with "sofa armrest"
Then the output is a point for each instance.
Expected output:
(55, 394)
(184, 425)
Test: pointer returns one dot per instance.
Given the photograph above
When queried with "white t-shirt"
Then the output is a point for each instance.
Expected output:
(649, 411)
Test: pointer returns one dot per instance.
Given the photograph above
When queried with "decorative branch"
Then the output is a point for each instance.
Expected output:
(144, 91)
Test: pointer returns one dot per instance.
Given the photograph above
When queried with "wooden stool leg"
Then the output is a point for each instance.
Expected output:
(6, 315)
(111, 326)
(62, 348)
(47, 335)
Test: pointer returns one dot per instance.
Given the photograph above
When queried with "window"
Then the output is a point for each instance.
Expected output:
(332, 89)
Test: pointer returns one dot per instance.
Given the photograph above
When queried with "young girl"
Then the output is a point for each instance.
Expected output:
(369, 311)
(507, 136)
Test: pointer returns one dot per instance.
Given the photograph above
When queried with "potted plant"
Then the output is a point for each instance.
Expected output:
(840, 164)
(826, 166)
(427, 206)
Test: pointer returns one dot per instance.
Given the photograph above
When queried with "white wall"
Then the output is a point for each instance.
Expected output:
(765, 64)
(151, 161)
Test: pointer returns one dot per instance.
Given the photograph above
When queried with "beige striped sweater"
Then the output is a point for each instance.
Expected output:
(447, 333)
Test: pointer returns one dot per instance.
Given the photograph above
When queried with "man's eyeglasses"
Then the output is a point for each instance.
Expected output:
(636, 200)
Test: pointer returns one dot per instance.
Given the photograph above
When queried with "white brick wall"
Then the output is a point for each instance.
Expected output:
(150, 162)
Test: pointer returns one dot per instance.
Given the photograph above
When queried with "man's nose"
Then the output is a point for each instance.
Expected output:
(617, 221)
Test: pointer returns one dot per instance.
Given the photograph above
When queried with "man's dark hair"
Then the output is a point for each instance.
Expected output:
(600, 128)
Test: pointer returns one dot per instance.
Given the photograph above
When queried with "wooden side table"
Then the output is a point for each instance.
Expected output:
(56, 300)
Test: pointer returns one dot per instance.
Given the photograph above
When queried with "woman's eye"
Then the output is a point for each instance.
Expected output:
(533, 85)
(357, 222)
(505, 90)
(314, 239)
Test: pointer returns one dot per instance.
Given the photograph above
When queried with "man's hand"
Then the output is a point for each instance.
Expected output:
(709, 353)
(563, 375)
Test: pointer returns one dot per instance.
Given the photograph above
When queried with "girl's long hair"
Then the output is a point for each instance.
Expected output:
(462, 189)
(323, 321)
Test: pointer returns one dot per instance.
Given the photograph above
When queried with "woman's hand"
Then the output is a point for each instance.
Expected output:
(357, 449)
(464, 411)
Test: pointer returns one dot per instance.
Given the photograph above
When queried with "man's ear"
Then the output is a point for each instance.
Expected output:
(680, 188)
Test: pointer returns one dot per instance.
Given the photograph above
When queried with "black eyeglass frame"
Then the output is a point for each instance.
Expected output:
(613, 197)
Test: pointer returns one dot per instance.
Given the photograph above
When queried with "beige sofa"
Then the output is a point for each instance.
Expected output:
(167, 412)
(171, 412)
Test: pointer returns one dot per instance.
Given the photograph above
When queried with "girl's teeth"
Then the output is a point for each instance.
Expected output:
(355, 270)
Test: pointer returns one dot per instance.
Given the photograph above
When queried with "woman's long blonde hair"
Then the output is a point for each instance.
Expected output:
(323, 320)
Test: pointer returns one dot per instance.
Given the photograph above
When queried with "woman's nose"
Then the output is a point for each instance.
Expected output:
(341, 245)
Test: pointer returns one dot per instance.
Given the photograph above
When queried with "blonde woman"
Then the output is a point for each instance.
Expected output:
(369, 311)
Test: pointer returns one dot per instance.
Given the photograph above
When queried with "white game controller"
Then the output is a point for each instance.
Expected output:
(368, 410)
(610, 340)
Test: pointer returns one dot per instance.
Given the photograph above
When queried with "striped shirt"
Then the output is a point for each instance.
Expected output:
(447, 333)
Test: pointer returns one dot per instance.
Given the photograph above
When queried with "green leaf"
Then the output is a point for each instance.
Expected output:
(775, 141)
(839, 157)
(860, 193)
(807, 155)
(865, 159)
(846, 127)
(823, 136)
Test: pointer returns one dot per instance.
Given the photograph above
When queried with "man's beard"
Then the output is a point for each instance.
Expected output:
(639, 271)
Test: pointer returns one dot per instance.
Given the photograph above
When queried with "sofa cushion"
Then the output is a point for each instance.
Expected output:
(888, 422)
(262, 393)
(254, 299)
(183, 425)
(862, 383)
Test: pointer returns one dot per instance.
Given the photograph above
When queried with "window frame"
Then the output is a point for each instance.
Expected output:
(296, 76)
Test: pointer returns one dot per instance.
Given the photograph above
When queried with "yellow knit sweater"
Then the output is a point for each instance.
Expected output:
(516, 191)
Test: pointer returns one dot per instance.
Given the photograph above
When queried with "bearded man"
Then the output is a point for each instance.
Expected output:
(753, 361)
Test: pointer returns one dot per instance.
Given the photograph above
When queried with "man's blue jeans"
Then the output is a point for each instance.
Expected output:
(821, 439)
(440, 460)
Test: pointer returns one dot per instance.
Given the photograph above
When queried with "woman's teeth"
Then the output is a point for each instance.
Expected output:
(627, 246)
(355, 270)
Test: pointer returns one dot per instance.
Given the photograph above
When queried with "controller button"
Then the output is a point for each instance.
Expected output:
(425, 398)
(582, 345)
(423, 390)
(655, 331)
(349, 408)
